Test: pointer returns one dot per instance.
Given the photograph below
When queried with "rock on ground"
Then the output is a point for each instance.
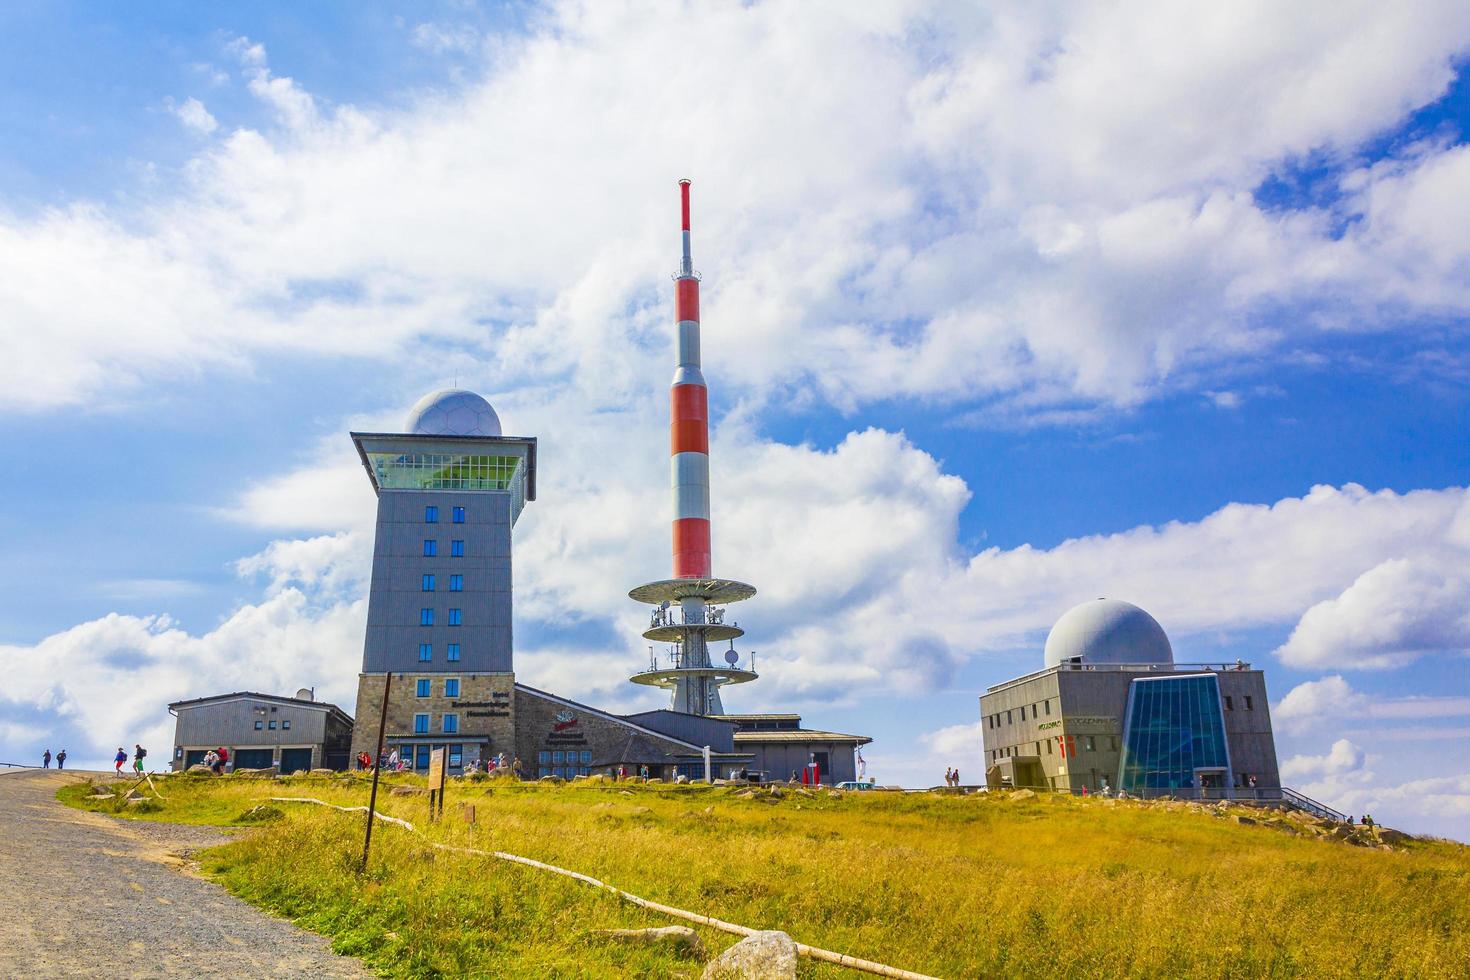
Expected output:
(683, 940)
(769, 955)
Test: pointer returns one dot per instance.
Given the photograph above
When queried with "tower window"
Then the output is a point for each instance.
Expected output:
(458, 515)
(451, 687)
(456, 549)
(259, 726)
(1229, 703)
(286, 724)
(454, 619)
(421, 724)
(428, 583)
(456, 583)
(451, 724)
(423, 688)
(1047, 702)
(431, 547)
(426, 652)
(426, 617)
(431, 515)
(452, 652)
(1248, 705)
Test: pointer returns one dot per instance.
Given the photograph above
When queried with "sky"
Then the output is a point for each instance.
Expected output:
(1004, 309)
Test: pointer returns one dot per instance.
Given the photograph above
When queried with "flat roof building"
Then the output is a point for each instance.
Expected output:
(262, 731)
(1112, 711)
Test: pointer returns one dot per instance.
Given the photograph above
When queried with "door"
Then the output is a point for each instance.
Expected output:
(194, 757)
(824, 766)
(254, 759)
(421, 758)
(295, 760)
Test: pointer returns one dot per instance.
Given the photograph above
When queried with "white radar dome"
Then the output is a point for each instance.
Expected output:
(1108, 631)
(452, 412)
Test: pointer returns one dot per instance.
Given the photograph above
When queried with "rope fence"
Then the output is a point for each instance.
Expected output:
(812, 952)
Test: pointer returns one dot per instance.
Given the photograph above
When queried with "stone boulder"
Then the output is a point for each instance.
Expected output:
(769, 955)
(553, 780)
(1390, 837)
(200, 767)
(1023, 794)
(408, 791)
(255, 773)
(323, 772)
(1247, 821)
(682, 940)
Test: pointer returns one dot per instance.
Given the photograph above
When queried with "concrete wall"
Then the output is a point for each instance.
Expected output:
(1089, 706)
(485, 707)
(396, 596)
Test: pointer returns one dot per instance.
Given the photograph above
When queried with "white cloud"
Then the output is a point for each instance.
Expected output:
(1343, 778)
(195, 117)
(1098, 167)
(1342, 760)
(1332, 700)
(1392, 614)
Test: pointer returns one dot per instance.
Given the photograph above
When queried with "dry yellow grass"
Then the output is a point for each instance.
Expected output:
(950, 886)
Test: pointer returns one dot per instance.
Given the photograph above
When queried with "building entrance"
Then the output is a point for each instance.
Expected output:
(295, 760)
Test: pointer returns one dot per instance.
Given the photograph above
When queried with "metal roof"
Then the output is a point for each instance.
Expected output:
(800, 735)
(257, 696)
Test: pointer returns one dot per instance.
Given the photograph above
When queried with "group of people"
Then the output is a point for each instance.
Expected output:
(951, 777)
(139, 753)
(216, 759)
(60, 759)
(391, 761)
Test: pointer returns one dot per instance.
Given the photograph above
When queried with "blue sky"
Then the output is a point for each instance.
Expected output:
(1002, 312)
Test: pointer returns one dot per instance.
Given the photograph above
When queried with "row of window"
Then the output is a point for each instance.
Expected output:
(426, 653)
(1230, 703)
(285, 725)
(1069, 744)
(426, 617)
(425, 687)
(994, 721)
(557, 757)
(431, 514)
(456, 583)
(431, 548)
(448, 724)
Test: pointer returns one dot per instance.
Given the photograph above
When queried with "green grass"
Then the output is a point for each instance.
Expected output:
(945, 885)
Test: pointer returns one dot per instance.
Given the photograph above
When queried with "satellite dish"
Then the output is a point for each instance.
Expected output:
(731, 657)
(305, 694)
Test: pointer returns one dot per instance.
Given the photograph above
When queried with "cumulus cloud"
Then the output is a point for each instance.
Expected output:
(1099, 167)
(1392, 614)
(1333, 700)
(1344, 759)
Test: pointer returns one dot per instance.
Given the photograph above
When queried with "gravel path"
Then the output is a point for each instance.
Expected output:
(83, 895)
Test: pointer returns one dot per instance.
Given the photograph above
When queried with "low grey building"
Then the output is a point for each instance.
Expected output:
(262, 730)
(1111, 710)
(780, 749)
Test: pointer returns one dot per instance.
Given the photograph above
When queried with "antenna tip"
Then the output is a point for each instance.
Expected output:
(684, 181)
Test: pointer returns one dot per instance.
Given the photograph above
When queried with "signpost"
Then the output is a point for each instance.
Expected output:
(438, 766)
(367, 840)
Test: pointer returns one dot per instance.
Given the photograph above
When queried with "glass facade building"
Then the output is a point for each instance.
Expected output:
(1174, 734)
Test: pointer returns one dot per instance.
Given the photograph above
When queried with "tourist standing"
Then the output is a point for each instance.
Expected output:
(46, 760)
(138, 753)
(948, 776)
(393, 761)
(956, 778)
(61, 759)
(118, 760)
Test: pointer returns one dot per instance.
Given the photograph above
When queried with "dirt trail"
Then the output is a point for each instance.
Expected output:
(83, 895)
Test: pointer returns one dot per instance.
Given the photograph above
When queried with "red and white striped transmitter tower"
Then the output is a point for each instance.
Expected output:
(689, 609)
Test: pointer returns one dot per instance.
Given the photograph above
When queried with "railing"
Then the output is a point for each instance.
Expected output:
(1305, 803)
(1130, 668)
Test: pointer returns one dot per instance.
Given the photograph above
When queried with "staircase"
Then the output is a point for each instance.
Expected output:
(1306, 804)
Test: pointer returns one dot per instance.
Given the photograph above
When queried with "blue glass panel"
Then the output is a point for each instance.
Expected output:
(1174, 727)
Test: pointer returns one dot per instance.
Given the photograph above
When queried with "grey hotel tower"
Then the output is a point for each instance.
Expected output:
(449, 489)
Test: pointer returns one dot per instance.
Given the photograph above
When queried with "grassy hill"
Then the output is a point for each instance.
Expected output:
(945, 885)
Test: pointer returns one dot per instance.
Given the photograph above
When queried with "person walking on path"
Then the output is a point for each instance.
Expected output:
(46, 760)
(138, 753)
(118, 760)
(61, 759)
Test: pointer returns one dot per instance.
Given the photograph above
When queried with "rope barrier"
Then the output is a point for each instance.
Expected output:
(812, 952)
